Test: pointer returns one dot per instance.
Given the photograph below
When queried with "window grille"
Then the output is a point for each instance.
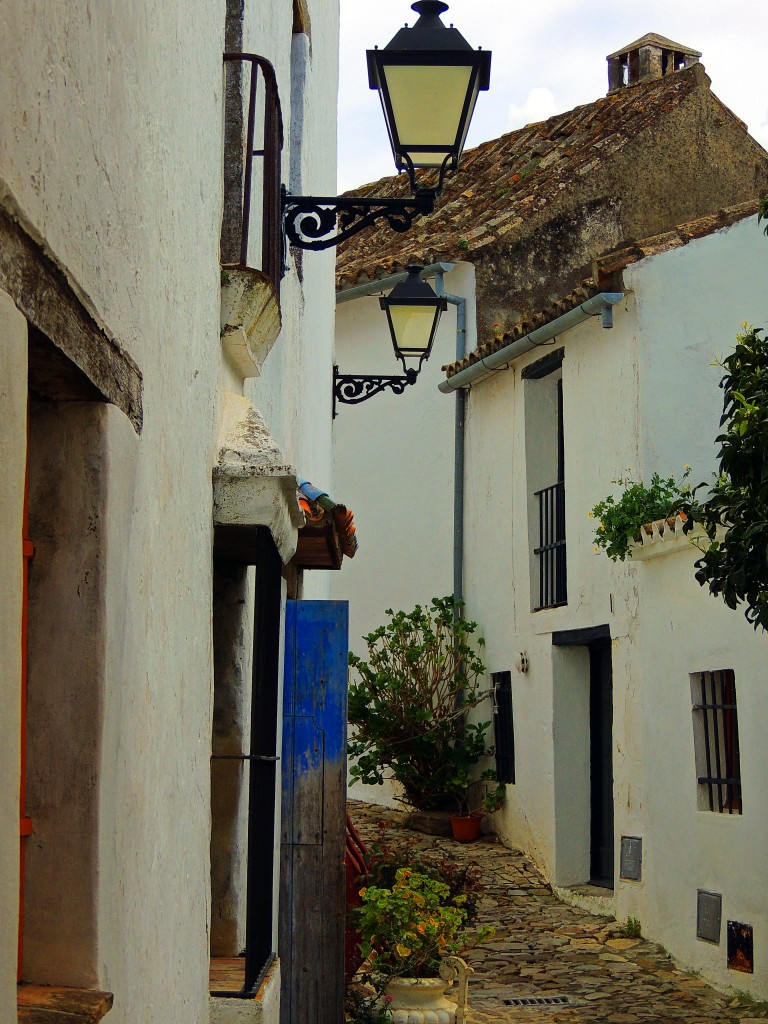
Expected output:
(716, 741)
(551, 549)
(503, 731)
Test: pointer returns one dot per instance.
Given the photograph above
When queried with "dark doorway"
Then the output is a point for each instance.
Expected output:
(601, 763)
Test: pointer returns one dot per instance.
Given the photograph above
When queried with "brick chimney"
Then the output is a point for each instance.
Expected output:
(650, 57)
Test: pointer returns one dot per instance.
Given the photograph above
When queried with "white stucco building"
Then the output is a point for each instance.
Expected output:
(158, 428)
(605, 673)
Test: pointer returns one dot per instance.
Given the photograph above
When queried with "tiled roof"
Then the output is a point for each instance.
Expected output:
(610, 262)
(329, 532)
(505, 182)
(585, 291)
(654, 39)
(603, 278)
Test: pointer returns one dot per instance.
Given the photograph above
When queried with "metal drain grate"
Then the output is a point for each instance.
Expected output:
(538, 1001)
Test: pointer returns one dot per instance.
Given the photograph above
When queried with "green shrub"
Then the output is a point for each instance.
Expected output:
(409, 705)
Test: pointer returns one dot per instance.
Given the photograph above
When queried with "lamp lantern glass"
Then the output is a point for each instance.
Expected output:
(413, 314)
(428, 79)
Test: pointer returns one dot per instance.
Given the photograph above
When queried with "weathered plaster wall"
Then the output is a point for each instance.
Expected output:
(113, 152)
(299, 416)
(13, 429)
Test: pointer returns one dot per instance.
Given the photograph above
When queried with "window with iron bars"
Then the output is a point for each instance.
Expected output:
(716, 741)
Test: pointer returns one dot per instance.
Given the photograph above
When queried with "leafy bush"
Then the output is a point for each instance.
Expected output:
(620, 518)
(463, 879)
(407, 927)
(410, 701)
(735, 565)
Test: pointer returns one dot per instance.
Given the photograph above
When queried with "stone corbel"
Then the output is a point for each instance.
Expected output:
(250, 319)
(253, 485)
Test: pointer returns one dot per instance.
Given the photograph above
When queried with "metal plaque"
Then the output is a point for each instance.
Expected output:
(630, 864)
(740, 955)
(709, 906)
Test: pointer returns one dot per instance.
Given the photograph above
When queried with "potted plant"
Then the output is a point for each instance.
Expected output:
(409, 705)
(475, 798)
(621, 519)
(412, 932)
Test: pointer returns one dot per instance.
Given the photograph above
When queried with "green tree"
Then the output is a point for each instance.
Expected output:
(734, 513)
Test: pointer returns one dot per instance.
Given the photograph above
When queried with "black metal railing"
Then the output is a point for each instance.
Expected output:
(238, 174)
(551, 549)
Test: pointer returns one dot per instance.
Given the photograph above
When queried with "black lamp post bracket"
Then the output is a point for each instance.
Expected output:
(320, 222)
(353, 388)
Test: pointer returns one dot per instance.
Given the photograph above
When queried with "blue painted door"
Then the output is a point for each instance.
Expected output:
(311, 942)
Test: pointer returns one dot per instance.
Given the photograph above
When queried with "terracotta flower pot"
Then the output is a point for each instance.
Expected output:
(465, 829)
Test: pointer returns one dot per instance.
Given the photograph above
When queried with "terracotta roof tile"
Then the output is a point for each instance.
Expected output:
(506, 180)
(603, 269)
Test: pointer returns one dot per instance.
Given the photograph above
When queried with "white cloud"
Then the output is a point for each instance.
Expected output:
(538, 106)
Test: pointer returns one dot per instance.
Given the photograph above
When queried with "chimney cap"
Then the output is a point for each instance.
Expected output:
(653, 39)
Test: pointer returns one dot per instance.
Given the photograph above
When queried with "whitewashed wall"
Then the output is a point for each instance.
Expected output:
(113, 155)
(642, 396)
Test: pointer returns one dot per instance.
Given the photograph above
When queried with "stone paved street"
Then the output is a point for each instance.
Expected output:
(545, 948)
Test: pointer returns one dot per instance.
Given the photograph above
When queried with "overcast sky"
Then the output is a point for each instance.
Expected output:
(548, 56)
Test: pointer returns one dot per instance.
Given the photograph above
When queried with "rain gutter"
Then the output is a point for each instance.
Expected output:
(600, 305)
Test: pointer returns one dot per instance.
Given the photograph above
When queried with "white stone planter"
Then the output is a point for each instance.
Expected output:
(250, 319)
(425, 1000)
(420, 1001)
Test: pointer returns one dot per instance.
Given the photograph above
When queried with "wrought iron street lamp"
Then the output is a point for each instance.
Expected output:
(413, 314)
(428, 78)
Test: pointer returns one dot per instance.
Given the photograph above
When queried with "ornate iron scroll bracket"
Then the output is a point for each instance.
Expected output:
(352, 389)
(320, 222)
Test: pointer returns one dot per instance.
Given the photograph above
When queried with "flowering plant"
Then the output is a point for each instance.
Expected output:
(408, 927)
(620, 518)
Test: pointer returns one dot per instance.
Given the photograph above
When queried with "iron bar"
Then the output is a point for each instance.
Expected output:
(271, 235)
(551, 550)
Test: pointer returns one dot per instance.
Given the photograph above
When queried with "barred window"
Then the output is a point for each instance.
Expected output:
(716, 741)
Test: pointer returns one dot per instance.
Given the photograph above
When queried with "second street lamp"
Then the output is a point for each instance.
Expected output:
(413, 314)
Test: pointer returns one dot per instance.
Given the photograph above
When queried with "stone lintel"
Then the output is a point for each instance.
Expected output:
(42, 292)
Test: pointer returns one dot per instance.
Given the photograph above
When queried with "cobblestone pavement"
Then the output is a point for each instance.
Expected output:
(545, 948)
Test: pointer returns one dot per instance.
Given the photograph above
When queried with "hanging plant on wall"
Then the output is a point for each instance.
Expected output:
(620, 518)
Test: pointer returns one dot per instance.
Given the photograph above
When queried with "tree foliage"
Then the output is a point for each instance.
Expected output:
(734, 513)
(409, 704)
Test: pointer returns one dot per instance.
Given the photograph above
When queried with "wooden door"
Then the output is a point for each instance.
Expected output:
(313, 837)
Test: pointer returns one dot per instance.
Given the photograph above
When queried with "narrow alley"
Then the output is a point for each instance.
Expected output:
(579, 968)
